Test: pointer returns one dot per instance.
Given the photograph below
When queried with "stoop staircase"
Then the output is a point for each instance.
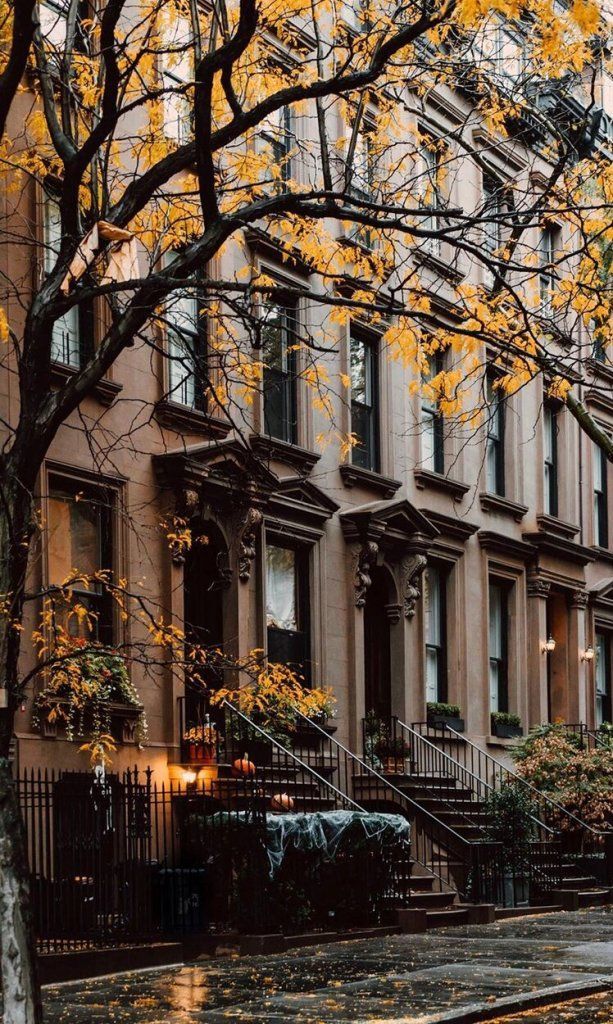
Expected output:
(469, 775)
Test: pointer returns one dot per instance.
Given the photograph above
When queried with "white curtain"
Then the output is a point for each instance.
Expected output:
(281, 611)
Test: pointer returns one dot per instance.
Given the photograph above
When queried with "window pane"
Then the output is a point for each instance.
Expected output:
(432, 674)
(281, 603)
(427, 440)
(432, 595)
(360, 383)
(496, 624)
(494, 684)
(65, 346)
(182, 315)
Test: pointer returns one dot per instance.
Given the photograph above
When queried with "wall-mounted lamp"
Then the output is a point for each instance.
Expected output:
(549, 645)
(588, 654)
(189, 777)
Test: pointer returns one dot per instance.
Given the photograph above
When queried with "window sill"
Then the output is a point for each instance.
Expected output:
(600, 369)
(504, 506)
(551, 524)
(105, 390)
(500, 741)
(438, 266)
(356, 476)
(602, 554)
(172, 414)
(427, 478)
(272, 448)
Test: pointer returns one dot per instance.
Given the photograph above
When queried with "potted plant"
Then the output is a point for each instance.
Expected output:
(440, 715)
(89, 692)
(505, 725)
(392, 751)
(201, 743)
(509, 816)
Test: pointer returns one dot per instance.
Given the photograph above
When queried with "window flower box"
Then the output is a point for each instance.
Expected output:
(506, 726)
(440, 715)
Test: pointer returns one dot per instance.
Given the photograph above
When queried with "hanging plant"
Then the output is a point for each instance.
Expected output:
(88, 684)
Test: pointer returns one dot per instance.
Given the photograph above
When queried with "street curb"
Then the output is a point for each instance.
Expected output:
(474, 1013)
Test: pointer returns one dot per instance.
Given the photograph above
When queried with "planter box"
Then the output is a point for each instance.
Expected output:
(201, 753)
(394, 765)
(506, 732)
(440, 721)
(124, 721)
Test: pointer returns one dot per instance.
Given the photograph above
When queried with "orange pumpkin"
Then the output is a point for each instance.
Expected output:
(281, 802)
(243, 767)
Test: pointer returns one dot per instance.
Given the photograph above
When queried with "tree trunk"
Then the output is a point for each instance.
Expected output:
(20, 987)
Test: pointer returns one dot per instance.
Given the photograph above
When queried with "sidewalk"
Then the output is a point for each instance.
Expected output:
(456, 974)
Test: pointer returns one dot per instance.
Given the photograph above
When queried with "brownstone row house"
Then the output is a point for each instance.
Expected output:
(430, 565)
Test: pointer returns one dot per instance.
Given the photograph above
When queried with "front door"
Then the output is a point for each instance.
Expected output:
(377, 648)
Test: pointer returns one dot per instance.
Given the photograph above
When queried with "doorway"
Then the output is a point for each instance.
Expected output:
(204, 587)
(377, 646)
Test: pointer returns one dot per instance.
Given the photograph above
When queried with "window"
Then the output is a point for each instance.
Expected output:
(361, 185)
(498, 639)
(432, 432)
(177, 72)
(497, 204)
(603, 678)
(364, 402)
(550, 460)
(601, 526)
(287, 606)
(435, 585)
(53, 22)
(494, 456)
(279, 323)
(186, 344)
(277, 137)
(509, 57)
(80, 537)
(431, 195)
(548, 249)
(66, 334)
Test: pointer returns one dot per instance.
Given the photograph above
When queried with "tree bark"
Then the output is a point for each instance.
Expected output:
(20, 986)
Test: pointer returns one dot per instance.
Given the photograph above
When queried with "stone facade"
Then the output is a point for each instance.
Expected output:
(363, 539)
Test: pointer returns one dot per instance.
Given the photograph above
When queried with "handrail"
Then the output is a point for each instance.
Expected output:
(466, 772)
(310, 771)
(437, 827)
(524, 782)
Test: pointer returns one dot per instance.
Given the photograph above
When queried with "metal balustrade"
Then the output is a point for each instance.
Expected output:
(576, 837)
(472, 868)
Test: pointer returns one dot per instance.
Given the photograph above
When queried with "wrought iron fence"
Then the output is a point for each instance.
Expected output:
(118, 859)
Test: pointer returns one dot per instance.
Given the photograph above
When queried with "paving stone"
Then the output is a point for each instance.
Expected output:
(398, 978)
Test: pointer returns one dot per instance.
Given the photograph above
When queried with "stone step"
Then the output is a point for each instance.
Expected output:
(431, 900)
(443, 918)
(595, 897)
(579, 882)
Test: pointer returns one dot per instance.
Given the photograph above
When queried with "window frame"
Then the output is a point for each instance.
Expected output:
(440, 648)
(63, 482)
(495, 439)
(434, 418)
(372, 410)
(82, 314)
(602, 698)
(431, 158)
(198, 374)
(550, 460)
(501, 660)
(549, 237)
(600, 497)
(282, 144)
(284, 379)
(302, 584)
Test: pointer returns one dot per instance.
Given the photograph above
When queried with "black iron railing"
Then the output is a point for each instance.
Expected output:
(588, 739)
(575, 836)
(472, 868)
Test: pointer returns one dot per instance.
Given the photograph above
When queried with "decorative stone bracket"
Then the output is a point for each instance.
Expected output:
(250, 524)
(412, 569)
(367, 557)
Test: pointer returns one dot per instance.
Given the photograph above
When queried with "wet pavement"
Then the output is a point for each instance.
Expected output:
(403, 979)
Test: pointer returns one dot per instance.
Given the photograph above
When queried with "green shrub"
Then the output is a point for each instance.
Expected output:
(445, 710)
(506, 718)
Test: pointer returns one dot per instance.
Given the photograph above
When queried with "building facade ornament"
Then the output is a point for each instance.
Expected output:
(393, 613)
(251, 522)
(537, 586)
(367, 556)
(579, 599)
(412, 569)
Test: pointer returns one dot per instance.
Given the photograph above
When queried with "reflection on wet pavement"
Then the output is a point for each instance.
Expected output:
(398, 978)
